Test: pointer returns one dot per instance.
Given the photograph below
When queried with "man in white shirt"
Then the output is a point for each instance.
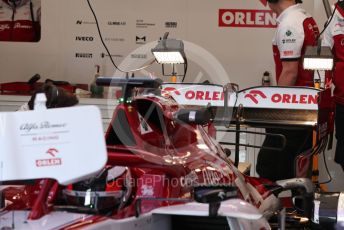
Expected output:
(296, 29)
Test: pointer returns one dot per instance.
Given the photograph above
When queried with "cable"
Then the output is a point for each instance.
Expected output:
(328, 21)
(318, 73)
(107, 50)
(35, 24)
(186, 69)
(322, 148)
(327, 170)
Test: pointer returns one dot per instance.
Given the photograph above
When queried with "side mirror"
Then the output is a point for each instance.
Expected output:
(214, 195)
(2, 200)
(195, 116)
(228, 90)
(227, 151)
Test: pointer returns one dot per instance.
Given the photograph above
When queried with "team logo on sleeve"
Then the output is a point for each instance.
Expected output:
(288, 41)
(289, 38)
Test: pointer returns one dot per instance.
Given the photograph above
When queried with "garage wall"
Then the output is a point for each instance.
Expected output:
(125, 25)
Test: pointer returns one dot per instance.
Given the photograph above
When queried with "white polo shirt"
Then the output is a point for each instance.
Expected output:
(296, 29)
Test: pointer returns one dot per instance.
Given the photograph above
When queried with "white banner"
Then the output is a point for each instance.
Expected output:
(66, 144)
(195, 94)
(279, 98)
(255, 97)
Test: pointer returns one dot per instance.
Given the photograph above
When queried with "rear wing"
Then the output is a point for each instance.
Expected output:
(261, 106)
(272, 97)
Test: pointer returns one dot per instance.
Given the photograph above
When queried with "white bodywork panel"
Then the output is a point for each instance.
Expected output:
(66, 144)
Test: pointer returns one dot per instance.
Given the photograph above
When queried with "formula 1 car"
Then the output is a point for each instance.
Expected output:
(165, 170)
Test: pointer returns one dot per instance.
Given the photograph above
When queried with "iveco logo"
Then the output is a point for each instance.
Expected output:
(89, 39)
(254, 94)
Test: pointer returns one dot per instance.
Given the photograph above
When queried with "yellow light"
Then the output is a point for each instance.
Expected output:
(174, 79)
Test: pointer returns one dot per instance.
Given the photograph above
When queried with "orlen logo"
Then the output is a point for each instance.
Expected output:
(254, 94)
(201, 95)
(294, 98)
(204, 95)
(247, 17)
(52, 152)
(53, 161)
(169, 90)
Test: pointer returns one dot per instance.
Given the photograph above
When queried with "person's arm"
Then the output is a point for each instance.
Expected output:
(289, 40)
(289, 73)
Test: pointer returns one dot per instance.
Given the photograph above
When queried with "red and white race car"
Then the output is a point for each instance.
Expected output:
(162, 167)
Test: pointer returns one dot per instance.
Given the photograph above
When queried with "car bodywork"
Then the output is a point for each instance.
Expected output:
(158, 152)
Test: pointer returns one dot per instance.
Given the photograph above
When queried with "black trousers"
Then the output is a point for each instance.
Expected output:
(339, 124)
(277, 165)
